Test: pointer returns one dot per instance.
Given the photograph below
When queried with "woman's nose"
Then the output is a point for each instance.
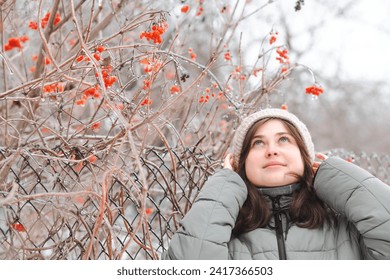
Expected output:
(271, 154)
(271, 150)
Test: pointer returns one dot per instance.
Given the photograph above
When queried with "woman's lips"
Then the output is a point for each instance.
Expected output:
(272, 164)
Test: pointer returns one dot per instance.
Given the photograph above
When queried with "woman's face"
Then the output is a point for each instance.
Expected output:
(274, 157)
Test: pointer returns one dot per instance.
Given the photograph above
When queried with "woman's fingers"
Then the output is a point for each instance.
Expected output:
(321, 156)
(228, 163)
(317, 164)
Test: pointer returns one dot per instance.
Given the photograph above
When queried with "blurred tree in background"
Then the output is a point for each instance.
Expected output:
(344, 43)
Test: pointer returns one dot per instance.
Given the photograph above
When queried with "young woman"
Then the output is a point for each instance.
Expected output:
(273, 201)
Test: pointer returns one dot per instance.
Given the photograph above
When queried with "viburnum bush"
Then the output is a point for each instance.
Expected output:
(92, 84)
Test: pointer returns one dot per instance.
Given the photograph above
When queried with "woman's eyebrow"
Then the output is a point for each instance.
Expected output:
(283, 133)
(278, 134)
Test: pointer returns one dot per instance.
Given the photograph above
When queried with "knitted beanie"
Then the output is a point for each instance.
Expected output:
(249, 121)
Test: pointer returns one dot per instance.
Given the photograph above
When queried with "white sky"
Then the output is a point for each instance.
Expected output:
(360, 40)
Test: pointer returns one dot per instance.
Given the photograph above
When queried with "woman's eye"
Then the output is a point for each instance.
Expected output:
(284, 139)
(257, 142)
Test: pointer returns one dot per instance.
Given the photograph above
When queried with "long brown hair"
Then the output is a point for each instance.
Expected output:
(306, 209)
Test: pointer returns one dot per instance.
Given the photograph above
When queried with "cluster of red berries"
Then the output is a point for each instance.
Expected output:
(314, 90)
(273, 37)
(156, 32)
(45, 20)
(15, 42)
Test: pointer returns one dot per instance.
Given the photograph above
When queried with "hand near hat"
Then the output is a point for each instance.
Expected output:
(316, 164)
(228, 162)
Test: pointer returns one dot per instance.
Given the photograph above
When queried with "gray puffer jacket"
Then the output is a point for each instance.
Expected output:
(363, 230)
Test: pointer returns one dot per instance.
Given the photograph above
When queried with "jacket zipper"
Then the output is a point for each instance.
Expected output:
(279, 228)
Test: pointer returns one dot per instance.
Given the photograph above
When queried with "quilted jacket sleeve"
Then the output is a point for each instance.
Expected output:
(206, 229)
(362, 198)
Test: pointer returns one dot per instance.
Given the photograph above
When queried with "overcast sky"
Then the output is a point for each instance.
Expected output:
(359, 39)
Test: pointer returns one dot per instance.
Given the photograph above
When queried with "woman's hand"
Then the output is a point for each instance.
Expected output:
(316, 164)
(228, 162)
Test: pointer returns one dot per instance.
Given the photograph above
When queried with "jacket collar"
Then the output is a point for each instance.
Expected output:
(282, 190)
(279, 200)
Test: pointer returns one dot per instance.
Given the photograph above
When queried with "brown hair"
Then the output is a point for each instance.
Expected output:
(306, 209)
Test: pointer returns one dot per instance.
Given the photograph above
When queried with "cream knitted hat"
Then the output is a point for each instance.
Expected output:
(249, 121)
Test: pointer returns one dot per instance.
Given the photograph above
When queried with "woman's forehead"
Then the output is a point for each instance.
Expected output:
(272, 126)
